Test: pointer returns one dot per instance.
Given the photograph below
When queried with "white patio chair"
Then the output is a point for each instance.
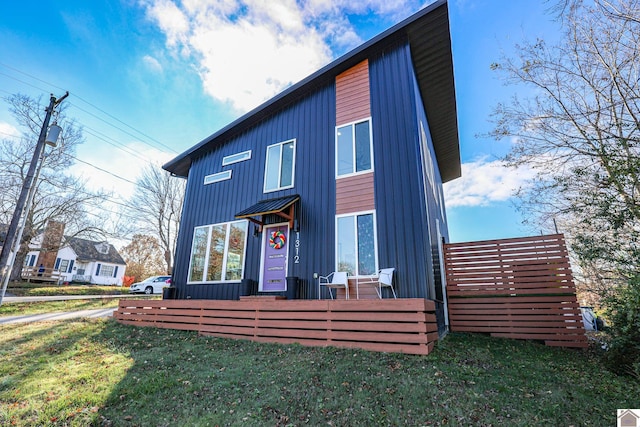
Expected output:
(337, 279)
(384, 279)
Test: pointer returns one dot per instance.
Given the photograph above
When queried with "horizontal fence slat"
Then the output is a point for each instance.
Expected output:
(517, 288)
(402, 325)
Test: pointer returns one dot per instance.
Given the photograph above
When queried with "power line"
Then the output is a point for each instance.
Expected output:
(120, 129)
(103, 170)
(150, 138)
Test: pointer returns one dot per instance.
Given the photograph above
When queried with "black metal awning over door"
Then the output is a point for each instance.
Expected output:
(281, 206)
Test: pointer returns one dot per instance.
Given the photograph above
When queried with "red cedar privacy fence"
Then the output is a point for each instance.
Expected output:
(515, 288)
(399, 326)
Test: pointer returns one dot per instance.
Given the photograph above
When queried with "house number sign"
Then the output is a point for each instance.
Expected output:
(296, 245)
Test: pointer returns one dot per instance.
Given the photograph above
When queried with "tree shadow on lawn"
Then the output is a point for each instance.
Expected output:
(179, 378)
(100, 372)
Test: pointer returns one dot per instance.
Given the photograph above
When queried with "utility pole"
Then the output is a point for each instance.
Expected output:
(6, 261)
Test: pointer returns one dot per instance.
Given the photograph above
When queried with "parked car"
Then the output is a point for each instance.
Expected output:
(151, 285)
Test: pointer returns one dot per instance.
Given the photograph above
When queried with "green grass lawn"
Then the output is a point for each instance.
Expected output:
(98, 372)
(37, 289)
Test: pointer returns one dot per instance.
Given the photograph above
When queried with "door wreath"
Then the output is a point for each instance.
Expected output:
(277, 239)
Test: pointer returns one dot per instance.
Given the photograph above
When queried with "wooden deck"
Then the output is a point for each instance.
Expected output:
(37, 274)
(514, 288)
(395, 326)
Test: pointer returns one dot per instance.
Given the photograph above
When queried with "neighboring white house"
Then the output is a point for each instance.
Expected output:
(85, 261)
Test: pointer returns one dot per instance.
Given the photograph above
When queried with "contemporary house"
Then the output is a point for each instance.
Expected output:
(342, 171)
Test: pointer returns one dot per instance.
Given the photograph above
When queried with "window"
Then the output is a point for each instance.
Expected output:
(105, 271)
(280, 166)
(64, 265)
(217, 177)
(218, 252)
(235, 158)
(103, 248)
(353, 148)
(356, 246)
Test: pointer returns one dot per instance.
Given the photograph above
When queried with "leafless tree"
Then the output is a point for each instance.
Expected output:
(158, 202)
(59, 195)
(580, 129)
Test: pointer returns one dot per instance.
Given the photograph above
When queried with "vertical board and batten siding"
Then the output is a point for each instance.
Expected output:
(514, 288)
(404, 226)
(311, 121)
(403, 232)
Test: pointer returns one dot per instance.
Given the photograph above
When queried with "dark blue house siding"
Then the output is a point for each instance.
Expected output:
(403, 236)
(311, 121)
(406, 220)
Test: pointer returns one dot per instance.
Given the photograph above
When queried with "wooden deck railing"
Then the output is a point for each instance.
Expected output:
(40, 274)
(516, 288)
(398, 326)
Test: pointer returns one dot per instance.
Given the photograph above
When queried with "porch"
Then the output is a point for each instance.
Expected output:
(40, 274)
(398, 326)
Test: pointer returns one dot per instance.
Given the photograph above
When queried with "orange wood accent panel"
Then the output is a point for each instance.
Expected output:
(399, 326)
(352, 94)
(355, 194)
(514, 288)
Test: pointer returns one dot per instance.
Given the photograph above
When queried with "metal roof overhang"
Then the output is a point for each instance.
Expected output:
(275, 206)
(427, 32)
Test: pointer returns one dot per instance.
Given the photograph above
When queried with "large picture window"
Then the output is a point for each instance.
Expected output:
(353, 148)
(105, 271)
(280, 166)
(356, 246)
(218, 252)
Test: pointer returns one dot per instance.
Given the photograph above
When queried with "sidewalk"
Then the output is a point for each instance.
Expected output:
(101, 312)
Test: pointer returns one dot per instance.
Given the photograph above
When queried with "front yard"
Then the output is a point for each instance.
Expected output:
(98, 372)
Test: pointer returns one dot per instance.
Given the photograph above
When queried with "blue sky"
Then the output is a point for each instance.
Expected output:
(154, 77)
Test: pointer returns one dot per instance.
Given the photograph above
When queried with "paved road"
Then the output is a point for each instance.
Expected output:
(12, 299)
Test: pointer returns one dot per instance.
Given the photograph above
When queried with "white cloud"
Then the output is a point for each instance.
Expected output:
(8, 131)
(123, 168)
(152, 63)
(484, 182)
(246, 51)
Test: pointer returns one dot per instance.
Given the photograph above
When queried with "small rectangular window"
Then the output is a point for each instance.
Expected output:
(354, 148)
(218, 252)
(280, 166)
(217, 177)
(235, 158)
(356, 246)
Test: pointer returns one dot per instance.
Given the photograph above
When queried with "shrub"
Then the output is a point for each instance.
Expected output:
(623, 311)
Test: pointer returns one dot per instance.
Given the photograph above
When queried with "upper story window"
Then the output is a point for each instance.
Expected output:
(353, 148)
(217, 177)
(103, 248)
(235, 158)
(280, 166)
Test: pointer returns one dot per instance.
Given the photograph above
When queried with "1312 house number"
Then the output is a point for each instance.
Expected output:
(296, 245)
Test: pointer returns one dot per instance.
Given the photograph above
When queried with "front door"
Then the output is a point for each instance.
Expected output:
(274, 258)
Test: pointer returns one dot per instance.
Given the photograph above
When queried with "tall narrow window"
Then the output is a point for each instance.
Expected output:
(353, 148)
(356, 250)
(280, 167)
(218, 252)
